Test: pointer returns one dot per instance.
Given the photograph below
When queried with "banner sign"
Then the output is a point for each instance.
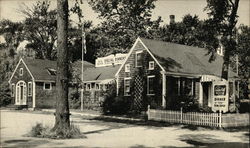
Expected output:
(110, 60)
(220, 96)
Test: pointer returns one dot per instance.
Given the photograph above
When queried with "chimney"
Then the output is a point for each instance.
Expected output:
(172, 19)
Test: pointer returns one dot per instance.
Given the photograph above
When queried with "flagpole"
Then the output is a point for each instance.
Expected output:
(82, 84)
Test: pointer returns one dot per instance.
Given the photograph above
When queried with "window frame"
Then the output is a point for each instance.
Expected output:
(136, 62)
(44, 83)
(149, 63)
(21, 71)
(127, 67)
(29, 88)
(13, 89)
(124, 85)
(148, 77)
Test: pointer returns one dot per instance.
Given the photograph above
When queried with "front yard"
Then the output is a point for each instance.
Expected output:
(110, 133)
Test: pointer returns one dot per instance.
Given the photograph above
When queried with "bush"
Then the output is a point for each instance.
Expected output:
(74, 101)
(113, 104)
(41, 131)
(5, 98)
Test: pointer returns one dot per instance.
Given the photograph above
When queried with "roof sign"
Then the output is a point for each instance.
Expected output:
(110, 60)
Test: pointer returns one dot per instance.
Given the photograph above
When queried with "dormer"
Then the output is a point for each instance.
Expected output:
(220, 50)
(52, 71)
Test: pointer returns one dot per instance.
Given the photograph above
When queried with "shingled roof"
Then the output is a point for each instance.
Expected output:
(100, 73)
(184, 59)
(39, 68)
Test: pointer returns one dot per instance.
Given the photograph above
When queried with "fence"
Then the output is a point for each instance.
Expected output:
(203, 119)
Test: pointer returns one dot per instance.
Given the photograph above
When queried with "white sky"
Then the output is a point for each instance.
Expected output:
(164, 8)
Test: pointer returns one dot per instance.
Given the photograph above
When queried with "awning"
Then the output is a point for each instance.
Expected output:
(210, 78)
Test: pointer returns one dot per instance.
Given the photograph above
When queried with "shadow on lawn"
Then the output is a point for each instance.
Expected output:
(24, 143)
(206, 140)
(148, 124)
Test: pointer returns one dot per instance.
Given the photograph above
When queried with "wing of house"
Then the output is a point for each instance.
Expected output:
(33, 82)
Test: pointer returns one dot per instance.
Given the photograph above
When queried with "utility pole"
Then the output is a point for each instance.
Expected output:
(83, 52)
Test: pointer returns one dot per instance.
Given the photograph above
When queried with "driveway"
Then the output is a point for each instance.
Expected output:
(101, 133)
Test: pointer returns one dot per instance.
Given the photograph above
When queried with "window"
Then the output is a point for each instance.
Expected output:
(47, 86)
(127, 86)
(88, 86)
(151, 65)
(150, 85)
(138, 58)
(29, 88)
(21, 71)
(12, 90)
(127, 68)
(97, 86)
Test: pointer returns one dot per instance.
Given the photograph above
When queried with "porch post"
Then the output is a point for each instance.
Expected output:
(33, 94)
(163, 89)
(200, 94)
(117, 85)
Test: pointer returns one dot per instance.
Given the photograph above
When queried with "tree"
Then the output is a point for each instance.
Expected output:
(40, 29)
(223, 14)
(62, 121)
(124, 21)
(243, 51)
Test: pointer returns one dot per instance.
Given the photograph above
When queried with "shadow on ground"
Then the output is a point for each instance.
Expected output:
(206, 140)
(24, 143)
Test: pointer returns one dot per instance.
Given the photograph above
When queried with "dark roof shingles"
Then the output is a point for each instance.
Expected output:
(184, 59)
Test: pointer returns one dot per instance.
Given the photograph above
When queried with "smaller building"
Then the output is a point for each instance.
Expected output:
(33, 83)
(97, 80)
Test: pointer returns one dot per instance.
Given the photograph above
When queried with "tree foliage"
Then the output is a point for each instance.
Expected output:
(123, 22)
(243, 51)
(40, 29)
(223, 14)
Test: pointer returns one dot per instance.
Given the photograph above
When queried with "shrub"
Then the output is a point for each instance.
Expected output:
(74, 100)
(5, 98)
(113, 104)
(41, 131)
(36, 130)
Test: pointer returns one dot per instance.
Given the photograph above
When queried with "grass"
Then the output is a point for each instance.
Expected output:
(44, 131)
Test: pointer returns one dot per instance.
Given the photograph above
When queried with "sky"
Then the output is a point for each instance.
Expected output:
(164, 8)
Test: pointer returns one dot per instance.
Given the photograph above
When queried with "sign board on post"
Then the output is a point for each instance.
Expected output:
(220, 96)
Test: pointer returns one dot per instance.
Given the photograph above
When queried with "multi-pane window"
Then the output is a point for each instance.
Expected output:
(12, 90)
(184, 86)
(29, 88)
(21, 71)
(151, 65)
(127, 68)
(138, 59)
(127, 86)
(47, 86)
(150, 85)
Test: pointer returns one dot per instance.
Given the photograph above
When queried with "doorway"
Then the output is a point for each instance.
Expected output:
(21, 96)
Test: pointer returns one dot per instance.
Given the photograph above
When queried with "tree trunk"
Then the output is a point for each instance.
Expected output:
(230, 43)
(62, 122)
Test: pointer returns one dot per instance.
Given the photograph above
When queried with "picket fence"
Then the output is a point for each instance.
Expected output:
(195, 118)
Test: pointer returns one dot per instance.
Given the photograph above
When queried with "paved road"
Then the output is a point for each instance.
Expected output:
(15, 124)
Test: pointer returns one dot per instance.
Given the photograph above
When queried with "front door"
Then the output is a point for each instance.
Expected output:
(21, 96)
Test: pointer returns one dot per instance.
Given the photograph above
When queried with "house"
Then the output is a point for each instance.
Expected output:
(156, 73)
(33, 83)
(98, 79)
